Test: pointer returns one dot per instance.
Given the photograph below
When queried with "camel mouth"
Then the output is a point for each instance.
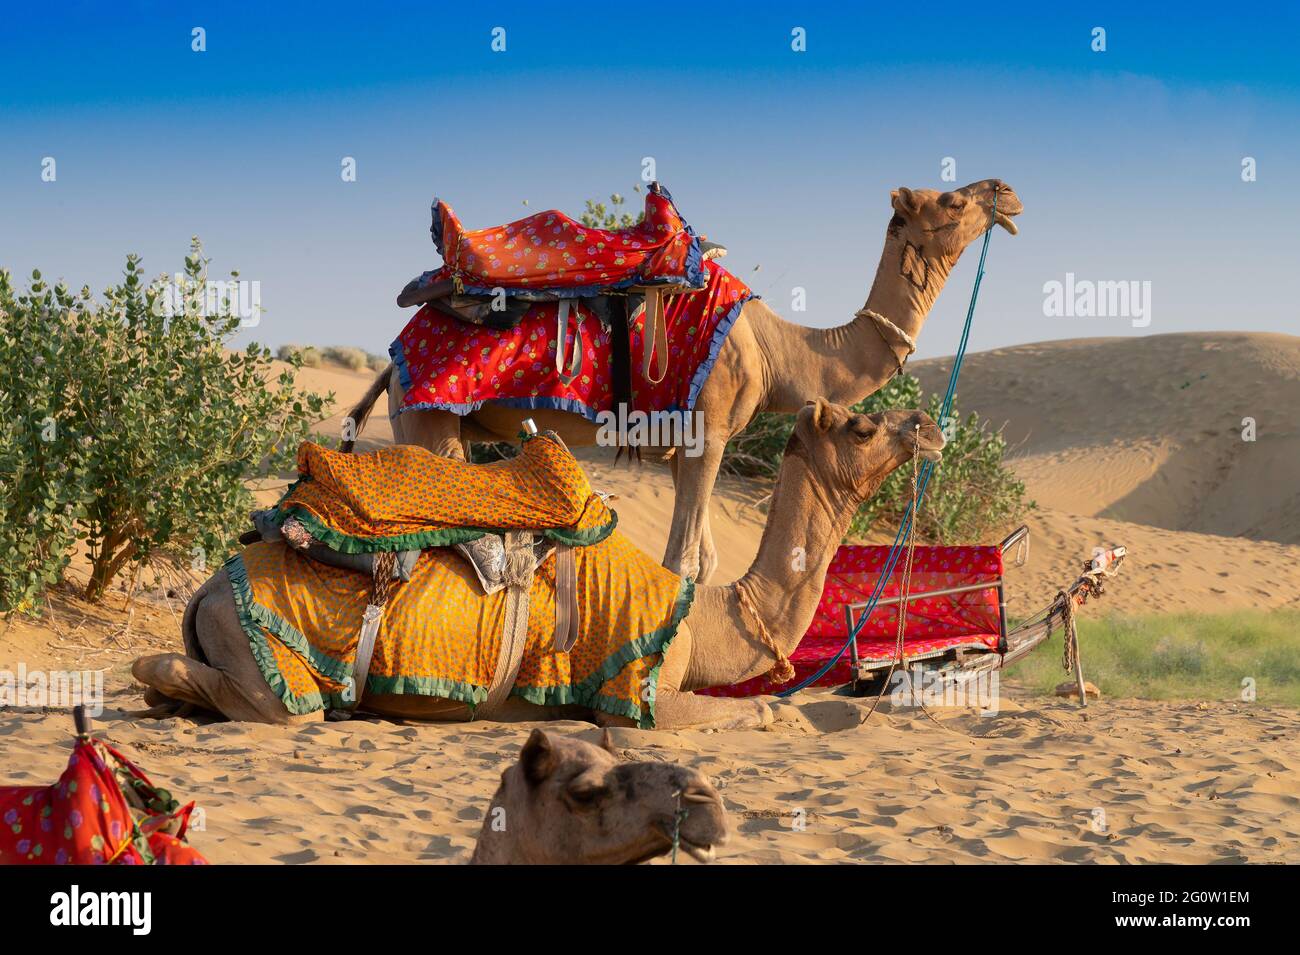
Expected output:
(703, 853)
(1004, 220)
(933, 455)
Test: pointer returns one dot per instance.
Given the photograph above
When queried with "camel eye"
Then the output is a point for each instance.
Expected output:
(587, 794)
(861, 426)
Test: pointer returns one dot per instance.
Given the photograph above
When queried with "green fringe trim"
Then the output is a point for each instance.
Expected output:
(587, 693)
(256, 620)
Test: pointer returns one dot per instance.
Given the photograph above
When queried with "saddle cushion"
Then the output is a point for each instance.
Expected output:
(407, 497)
(85, 819)
(550, 250)
(454, 366)
(440, 635)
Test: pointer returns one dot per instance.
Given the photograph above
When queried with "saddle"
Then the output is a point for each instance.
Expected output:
(375, 512)
(493, 276)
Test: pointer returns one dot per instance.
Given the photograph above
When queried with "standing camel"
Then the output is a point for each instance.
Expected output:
(834, 461)
(766, 363)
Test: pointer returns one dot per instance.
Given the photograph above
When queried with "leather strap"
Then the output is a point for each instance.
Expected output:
(365, 650)
(520, 564)
(566, 598)
(575, 362)
(654, 335)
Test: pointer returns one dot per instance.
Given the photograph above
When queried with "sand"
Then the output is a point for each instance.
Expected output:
(1132, 441)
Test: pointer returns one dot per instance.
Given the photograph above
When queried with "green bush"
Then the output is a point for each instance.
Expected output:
(352, 358)
(971, 495)
(600, 216)
(131, 428)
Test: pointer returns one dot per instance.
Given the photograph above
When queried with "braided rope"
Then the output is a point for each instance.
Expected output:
(783, 670)
(1071, 636)
(381, 587)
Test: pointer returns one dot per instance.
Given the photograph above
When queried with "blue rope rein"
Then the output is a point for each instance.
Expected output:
(926, 467)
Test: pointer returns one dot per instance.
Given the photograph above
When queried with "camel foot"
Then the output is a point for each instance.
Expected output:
(172, 709)
(677, 710)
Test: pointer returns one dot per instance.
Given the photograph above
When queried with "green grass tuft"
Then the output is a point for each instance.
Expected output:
(1179, 657)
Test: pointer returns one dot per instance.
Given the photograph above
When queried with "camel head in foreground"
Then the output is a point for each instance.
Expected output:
(567, 802)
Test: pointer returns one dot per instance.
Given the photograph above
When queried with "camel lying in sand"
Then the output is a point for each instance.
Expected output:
(567, 802)
(833, 462)
(766, 363)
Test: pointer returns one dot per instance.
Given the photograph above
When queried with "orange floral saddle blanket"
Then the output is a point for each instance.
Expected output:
(407, 497)
(581, 617)
(440, 635)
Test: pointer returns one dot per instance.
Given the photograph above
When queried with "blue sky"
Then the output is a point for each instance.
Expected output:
(1128, 161)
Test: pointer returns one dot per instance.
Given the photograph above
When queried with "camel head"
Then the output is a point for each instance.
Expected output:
(568, 802)
(941, 224)
(853, 453)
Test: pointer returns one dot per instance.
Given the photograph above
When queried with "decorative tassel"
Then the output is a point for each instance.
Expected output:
(783, 671)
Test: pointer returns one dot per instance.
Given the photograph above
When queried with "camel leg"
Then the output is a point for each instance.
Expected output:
(694, 479)
(439, 431)
(675, 710)
(678, 709)
(229, 682)
(708, 552)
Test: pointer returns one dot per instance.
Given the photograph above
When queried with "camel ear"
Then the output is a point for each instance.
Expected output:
(821, 415)
(904, 200)
(537, 757)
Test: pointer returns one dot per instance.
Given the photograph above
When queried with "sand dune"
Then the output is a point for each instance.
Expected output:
(1134, 442)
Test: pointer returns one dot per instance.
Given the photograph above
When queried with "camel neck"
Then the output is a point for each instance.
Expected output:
(846, 363)
(805, 525)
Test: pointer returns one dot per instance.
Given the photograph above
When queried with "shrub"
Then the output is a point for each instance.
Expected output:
(970, 495)
(613, 216)
(132, 428)
(377, 362)
(351, 358)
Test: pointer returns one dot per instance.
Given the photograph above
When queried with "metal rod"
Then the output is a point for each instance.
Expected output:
(1014, 538)
(853, 644)
(1002, 618)
(911, 598)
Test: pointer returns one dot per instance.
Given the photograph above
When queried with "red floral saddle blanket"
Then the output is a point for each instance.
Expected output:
(451, 365)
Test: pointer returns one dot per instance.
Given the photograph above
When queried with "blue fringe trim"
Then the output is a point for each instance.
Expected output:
(715, 348)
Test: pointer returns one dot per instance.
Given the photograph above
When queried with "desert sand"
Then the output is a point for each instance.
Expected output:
(1120, 441)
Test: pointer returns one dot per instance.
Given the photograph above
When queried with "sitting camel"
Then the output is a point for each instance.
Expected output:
(766, 363)
(833, 462)
(567, 802)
